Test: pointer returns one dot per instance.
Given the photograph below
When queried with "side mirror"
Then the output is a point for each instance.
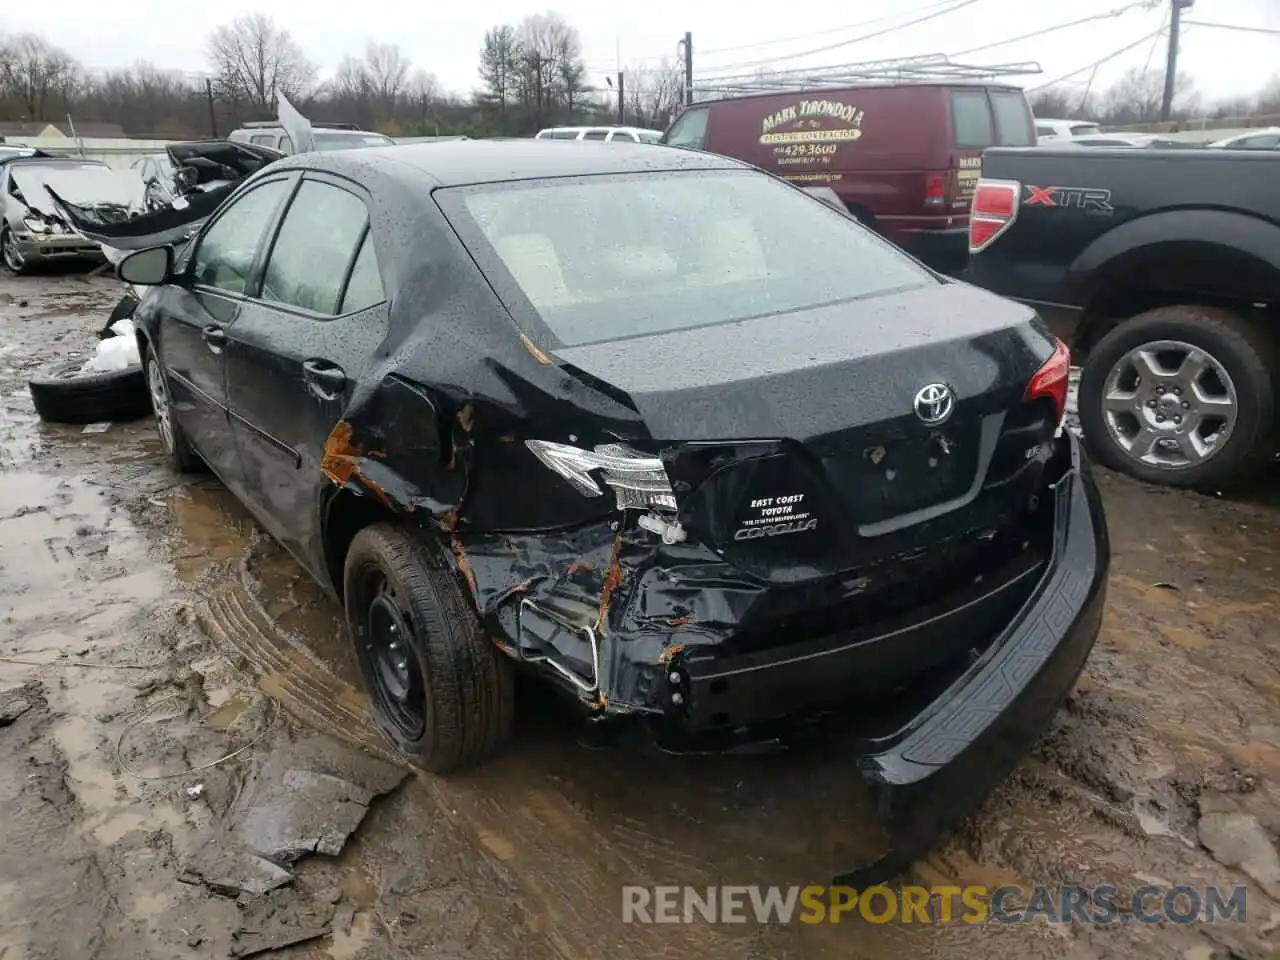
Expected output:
(149, 268)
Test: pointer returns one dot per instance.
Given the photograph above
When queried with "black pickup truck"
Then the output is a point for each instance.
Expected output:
(1161, 270)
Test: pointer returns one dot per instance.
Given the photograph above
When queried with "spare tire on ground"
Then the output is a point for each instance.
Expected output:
(62, 394)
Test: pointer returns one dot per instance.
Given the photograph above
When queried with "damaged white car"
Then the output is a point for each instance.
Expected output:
(34, 231)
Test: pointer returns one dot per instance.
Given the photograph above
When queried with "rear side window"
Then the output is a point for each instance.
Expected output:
(1085, 130)
(971, 119)
(1013, 119)
(625, 136)
(690, 130)
(265, 139)
(314, 248)
(595, 135)
(564, 135)
(1043, 131)
(364, 289)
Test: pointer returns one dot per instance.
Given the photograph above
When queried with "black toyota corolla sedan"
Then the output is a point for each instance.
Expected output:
(659, 428)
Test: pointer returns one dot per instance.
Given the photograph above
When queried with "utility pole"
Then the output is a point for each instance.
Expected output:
(622, 117)
(213, 119)
(687, 43)
(1171, 63)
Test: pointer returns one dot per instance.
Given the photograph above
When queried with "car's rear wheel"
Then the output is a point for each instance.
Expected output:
(1181, 395)
(14, 260)
(177, 449)
(439, 688)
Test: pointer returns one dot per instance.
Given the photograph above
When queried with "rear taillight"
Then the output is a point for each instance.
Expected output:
(995, 207)
(1052, 379)
(935, 189)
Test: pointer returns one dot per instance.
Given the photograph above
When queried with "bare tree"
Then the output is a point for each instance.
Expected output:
(1136, 97)
(38, 75)
(653, 93)
(386, 73)
(1269, 99)
(1063, 104)
(551, 70)
(499, 62)
(255, 60)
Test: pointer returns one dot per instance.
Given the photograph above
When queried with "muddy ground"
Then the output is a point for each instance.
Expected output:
(148, 630)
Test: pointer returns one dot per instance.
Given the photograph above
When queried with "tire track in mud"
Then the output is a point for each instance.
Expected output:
(571, 868)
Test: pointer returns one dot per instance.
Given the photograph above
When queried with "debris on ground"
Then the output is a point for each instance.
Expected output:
(303, 798)
(1240, 840)
(13, 704)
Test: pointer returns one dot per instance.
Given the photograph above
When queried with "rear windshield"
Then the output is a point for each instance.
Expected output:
(604, 258)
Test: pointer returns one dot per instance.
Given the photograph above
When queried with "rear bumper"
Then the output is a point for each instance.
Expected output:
(934, 771)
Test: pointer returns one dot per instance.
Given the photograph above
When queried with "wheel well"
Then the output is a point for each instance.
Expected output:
(345, 515)
(1125, 289)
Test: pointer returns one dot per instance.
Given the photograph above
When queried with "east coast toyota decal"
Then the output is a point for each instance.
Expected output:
(776, 516)
(807, 133)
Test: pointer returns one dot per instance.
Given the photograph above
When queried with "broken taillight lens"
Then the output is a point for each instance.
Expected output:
(1052, 380)
(640, 482)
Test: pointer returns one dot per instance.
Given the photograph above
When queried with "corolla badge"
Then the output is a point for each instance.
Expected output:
(935, 403)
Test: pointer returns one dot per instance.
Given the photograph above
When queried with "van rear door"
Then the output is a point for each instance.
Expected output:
(983, 117)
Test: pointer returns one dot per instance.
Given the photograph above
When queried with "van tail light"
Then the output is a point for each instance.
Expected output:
(995, 208)
(935, 189)
(1052, 379)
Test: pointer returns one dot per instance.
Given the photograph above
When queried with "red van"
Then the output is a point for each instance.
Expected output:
(904, 158)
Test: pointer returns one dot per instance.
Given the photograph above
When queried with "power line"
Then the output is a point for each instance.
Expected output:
(1230, 26)
(1054, 29)
(1097, 63)
(822, 33)
(845, 43)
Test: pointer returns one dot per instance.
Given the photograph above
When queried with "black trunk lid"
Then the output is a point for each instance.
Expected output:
(795, 444)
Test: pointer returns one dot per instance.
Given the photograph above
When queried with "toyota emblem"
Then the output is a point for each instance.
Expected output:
(935, 403)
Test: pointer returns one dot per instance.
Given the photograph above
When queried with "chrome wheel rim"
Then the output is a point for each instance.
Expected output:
(1169, 404)
(160, 404)
(13, 258)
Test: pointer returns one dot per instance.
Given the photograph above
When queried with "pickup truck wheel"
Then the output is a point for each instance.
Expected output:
(440, 690)
(1180, 395)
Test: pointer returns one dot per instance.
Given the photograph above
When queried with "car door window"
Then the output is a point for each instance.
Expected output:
(224, 257)
(314, 248)
(364, 289)
(971, 119)
(622, 136)
(596, 135)
(690, 130)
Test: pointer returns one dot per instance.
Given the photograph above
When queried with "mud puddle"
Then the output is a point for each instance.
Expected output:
(170, 590)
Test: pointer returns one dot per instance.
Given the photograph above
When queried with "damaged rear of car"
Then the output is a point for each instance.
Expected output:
(686, 443)
(34, 230)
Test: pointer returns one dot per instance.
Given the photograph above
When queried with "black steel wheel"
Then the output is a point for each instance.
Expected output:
(439, 689)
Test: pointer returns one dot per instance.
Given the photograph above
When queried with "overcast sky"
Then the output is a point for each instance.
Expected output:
(446, 38)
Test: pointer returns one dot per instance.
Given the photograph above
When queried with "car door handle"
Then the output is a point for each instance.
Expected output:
(215, 338)
(324, 379)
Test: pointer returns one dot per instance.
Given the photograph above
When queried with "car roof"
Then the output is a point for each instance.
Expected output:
(461, 162)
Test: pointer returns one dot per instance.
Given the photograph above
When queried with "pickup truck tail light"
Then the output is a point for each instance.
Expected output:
(995, 208)
(1052, 379)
